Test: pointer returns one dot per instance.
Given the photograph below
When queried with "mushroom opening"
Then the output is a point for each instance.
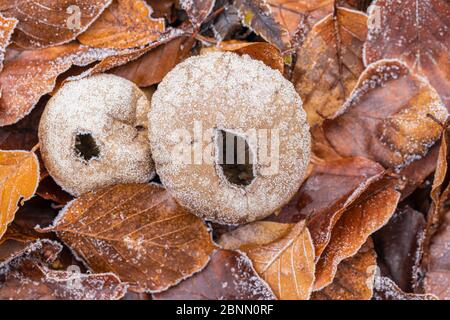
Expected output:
(235, 159)
(86, 147)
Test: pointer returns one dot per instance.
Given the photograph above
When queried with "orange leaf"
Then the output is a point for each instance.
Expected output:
(330, 62)
(19, 179)
(46, 23)
(354, 277)
(137, 231)
(125, 24)
(352, 231)
(7, 26)
(287, 263)
(420, 38)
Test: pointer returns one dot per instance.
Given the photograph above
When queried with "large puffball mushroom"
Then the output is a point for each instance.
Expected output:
(94, 133)
(208, 101)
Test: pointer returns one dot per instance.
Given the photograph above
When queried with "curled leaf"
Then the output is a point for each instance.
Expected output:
(19, 179)
(7, 26)
(197, 10)
(386, 118)
(386, 289)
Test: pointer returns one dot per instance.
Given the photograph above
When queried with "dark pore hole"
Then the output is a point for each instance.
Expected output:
(235, 158)
(86, 147)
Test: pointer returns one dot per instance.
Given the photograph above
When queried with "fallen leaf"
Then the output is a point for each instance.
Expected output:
(286, 264)
(332, 187)
(329, 63)
(153, 66)
(125, 24)
(354, 277)
(46, 23)
(138, 232)
(419, 36)
(163, 9)
(254, 233)
(257, 16)
(437, 277)
(7, 26)
(399, 245)
(352, 231)
(386, 289)
(48, 189)
(263, 51)
(27, 276)
(197, 10)
(28, 75)
(386, 117)
(19, 177)
(228, 276)
(298, 17)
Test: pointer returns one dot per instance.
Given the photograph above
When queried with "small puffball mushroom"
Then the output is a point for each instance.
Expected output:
(210, 100)
(94, 133)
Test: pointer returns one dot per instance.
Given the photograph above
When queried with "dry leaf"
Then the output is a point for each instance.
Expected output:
(399, 244)
(257, 15)
(228, 276)
(197, 10)
(125, 24)
(28, 75)
(286, 264)
(329, 63)
(45, 23)
(19, 178)
(386, 289)
(298, 17)
(7, 26)
(27, 276)
(263, 51)
(354, 277)
(330, 189)
(352, 231)
(163, 9)
(137, 231)
(254, 233)
(437, 278)
(386, 117)
(152, 67)
(419, 36)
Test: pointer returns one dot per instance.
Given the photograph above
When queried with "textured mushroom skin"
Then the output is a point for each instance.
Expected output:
(233, 93)
(114, 112)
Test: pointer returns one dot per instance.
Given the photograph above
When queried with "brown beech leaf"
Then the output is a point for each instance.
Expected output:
(329, 63)
(48, 189)
(352, 231)
(28, 276)
(286, 264)
(330, 189)
(354, 277)
(122, 57)
(125, 24)
(45, 23)
(19, 179)
(437, 278)
(263, 51)
(197, 10)
(254, 233)
(299, 16)
(257, 15)
(419, 36)
(137, 231)
(7, 26)
(152, 67)
(28, 75)
(386, 117)
(386, 289)
(399, 244)
(228, 276)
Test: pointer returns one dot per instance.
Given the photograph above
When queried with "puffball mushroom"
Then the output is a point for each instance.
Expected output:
(217, 97)
(93, 133)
